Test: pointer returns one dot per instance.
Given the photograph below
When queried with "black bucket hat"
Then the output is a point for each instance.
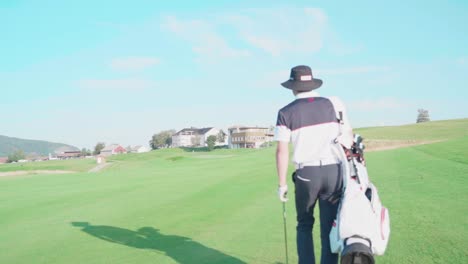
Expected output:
(302, 80)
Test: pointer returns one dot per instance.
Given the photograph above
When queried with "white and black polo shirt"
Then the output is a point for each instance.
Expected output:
(312, 123)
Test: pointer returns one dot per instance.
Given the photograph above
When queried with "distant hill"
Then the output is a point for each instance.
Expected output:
(390, 137)
(30, 147)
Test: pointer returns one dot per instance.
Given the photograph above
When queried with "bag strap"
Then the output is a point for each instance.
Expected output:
(345, 166)
(340, 117)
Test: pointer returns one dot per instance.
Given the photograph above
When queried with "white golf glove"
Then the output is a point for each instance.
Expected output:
(283, 192)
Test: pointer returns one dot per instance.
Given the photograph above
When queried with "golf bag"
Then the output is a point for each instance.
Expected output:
(362, 225)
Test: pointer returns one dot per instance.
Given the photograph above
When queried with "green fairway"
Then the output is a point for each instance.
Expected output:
(176, 206)
(425, 189)
(78, 165)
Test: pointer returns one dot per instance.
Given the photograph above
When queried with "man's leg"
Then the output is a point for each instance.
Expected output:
(328, 205)
(305, 242)
(306, 195)
(327, 215)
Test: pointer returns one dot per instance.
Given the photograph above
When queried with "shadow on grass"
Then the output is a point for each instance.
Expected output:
(181, 249)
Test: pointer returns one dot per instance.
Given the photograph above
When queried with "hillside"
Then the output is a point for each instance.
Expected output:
(434, 130)
(391, 137)
(38, 147)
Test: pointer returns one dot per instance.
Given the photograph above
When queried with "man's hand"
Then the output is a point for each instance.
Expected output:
(283, 192)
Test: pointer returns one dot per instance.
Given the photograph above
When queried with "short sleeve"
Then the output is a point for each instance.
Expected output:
(282, 131)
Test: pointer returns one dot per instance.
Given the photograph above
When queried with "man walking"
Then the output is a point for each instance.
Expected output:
(313, 124)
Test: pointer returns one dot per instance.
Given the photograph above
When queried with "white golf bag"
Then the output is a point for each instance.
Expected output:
(362, 225)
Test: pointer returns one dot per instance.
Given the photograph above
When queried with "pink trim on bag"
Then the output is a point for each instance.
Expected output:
(382, 219)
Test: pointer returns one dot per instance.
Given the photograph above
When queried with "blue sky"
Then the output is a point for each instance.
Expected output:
(119, 71)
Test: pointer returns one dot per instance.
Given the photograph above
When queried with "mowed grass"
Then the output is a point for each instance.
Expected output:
(174, 206)
(197, 208)
(425, 189)
(78, 165)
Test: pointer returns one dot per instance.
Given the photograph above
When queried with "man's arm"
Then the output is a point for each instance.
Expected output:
(282, 136)
(282, 161)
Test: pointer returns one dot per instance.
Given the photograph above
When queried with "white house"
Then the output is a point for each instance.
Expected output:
(139, 149)
(196, 137)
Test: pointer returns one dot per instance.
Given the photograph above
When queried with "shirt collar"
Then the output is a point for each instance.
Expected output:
(307, 94)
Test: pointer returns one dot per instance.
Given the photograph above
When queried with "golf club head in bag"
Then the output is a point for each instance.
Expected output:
(358, 147)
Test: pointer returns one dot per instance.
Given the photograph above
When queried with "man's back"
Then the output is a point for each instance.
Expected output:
(312, 126)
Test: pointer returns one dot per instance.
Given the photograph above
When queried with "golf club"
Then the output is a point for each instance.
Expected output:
(285, 233)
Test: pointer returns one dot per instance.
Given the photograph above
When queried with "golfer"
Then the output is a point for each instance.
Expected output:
(312, 124)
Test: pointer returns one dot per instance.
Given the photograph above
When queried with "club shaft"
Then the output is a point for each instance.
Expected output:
(285, 232)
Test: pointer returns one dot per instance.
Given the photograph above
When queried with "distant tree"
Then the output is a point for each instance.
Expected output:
(15, 156)
(221, 137)
(423, 116)
(128, 149)
(85, 152)
(211, 142)
(162, 139)
(97, 149)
